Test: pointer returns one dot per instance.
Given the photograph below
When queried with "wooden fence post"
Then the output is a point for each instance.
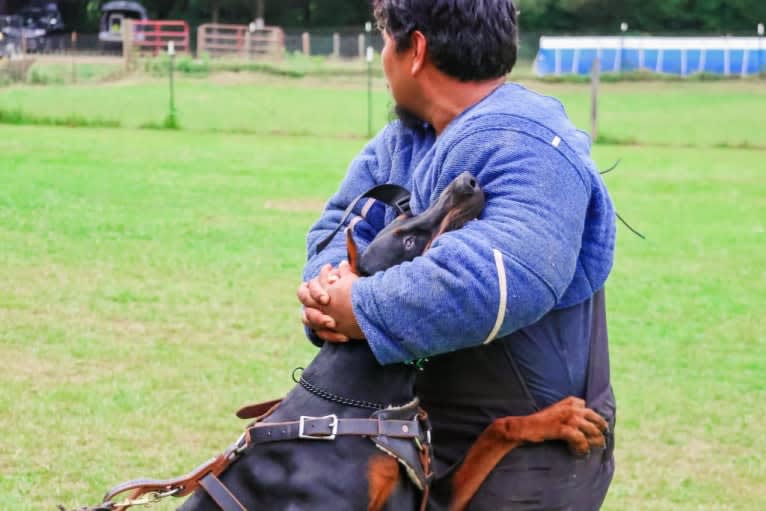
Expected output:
(306, 40)
(127, 44)
(336, 45)
(73, 50)
(278, 39)
(595, 81)
(201, 48)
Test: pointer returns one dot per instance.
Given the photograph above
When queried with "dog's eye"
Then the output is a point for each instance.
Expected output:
(409, 242)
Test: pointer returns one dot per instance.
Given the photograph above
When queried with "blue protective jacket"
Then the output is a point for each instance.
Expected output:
(544, 241)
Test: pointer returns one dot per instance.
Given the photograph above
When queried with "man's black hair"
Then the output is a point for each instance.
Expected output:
(470, 40)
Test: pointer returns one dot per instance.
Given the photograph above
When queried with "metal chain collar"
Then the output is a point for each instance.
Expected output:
(329, 396)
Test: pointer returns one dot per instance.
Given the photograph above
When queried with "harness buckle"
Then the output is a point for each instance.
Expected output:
(318, 435)
(239, 446)
(403, 205)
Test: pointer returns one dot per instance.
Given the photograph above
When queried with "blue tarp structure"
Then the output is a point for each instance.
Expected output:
(673, 55)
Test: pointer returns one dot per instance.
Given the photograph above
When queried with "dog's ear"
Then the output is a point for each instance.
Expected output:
(444, 226)
(353, 252)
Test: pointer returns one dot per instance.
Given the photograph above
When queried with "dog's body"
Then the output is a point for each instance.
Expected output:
(306, 474)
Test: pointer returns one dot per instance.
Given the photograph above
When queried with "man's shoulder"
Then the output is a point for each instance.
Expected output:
(514, 107)
(511, 116)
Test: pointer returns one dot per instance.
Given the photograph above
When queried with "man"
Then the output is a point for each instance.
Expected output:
(508, 310)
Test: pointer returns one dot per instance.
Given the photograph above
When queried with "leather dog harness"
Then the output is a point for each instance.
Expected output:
(406, 439)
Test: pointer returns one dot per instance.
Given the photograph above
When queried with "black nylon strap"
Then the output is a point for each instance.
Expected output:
(220, 494)
(395, 196)
(326, 428)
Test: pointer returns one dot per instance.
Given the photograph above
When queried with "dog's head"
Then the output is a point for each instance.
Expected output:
(410, 236)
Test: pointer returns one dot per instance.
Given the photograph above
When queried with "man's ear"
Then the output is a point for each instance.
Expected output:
(418, 47)
(353, 252)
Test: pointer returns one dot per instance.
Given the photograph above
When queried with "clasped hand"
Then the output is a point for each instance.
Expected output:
(327, 306)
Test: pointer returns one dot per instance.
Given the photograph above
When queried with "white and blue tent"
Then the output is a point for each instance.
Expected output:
(672, 55)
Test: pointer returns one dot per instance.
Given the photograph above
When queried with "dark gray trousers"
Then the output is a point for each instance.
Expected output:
(546, 477)
(466, 390)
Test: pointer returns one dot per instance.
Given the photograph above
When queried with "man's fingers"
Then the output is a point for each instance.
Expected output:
(318, 320)
(574, 402)
(324, 275)
(591, 431)
(331, 336)
(317, 292)
(322, 325)
(304, 296)
(596, 419)
(577, 442)
(598, 442)
(313, 293)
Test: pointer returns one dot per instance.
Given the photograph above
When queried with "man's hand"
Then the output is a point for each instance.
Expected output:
(339, 308)
(313, 296)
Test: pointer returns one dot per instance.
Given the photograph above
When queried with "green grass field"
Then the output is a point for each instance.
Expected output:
(678, 114)
(147, 279)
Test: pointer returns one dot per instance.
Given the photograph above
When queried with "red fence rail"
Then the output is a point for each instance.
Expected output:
(226, 40)
(154, 35)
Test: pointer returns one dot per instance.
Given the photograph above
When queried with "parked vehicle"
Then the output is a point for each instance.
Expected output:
(113, 14)
(42, 15)
(34, 28)
(10, 36)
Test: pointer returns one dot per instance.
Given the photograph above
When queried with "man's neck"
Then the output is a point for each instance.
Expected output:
(446, 98)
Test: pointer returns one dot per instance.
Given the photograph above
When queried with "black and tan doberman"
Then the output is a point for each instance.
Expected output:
(350, 435)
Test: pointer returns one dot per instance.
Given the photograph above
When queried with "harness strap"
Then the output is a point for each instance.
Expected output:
(329, 427)
(258, 410)
(184, 485)
(395, 196)
(221, 494)
(306, 428)
(388, 426)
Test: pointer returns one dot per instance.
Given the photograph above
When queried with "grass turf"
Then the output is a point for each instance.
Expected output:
(656, 113)
(147, 290)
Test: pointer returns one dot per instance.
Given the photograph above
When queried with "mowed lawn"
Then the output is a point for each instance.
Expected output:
(675, 114)
(147, 291)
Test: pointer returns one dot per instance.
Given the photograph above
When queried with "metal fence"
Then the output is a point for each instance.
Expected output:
(345, 45)
(243, 41)
(153, 36)
(342, 44)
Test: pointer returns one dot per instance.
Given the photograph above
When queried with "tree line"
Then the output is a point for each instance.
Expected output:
(536, 16)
